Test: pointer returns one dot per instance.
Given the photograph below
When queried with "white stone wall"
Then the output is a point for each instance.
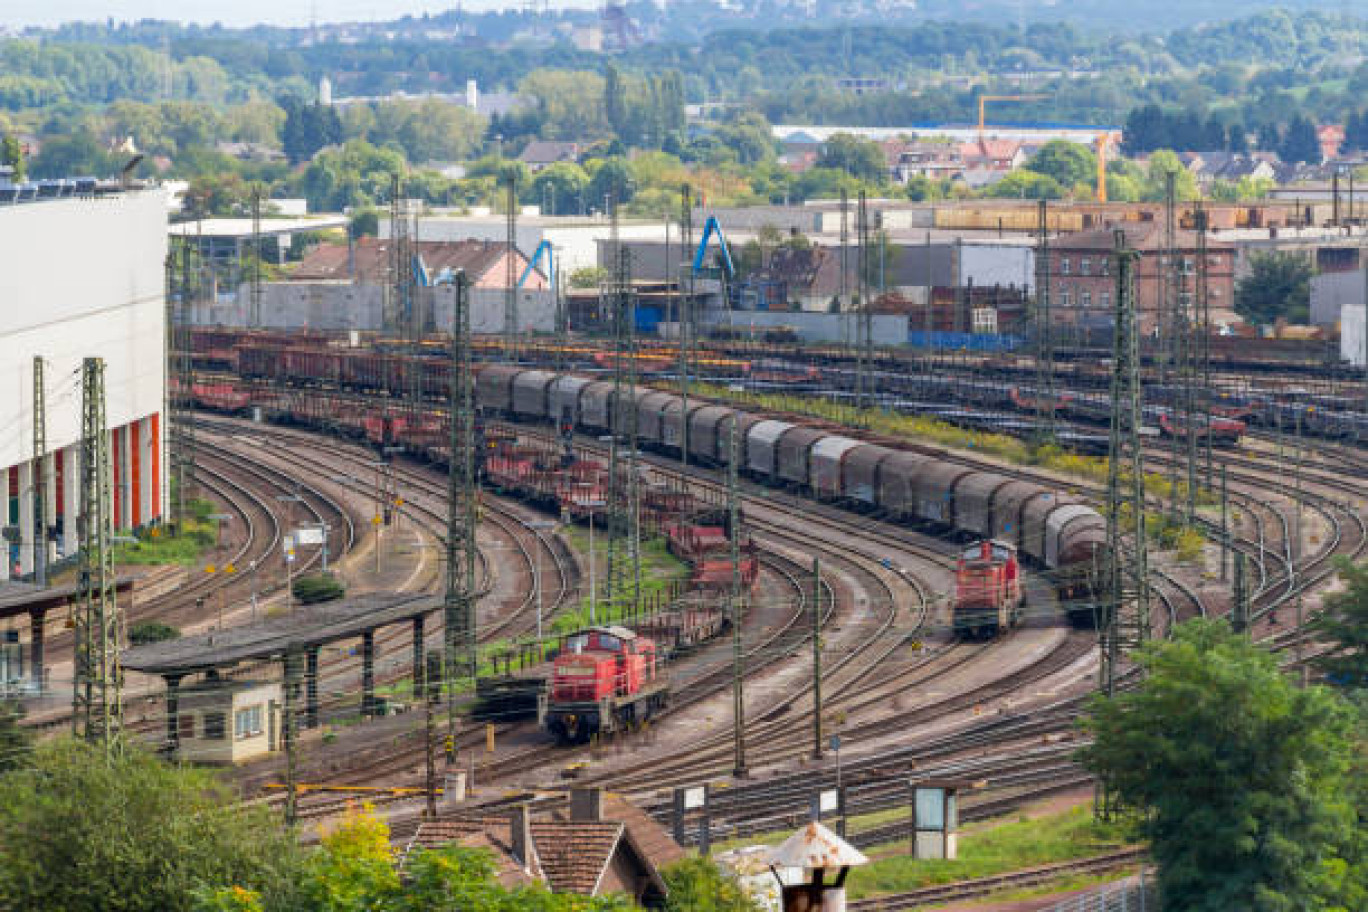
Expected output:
(80, 278)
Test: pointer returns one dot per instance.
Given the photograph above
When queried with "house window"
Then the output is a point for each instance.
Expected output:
(985, 320)
(1065, 299)
(1105, 266)
(1215, 292)
(213, 726)
(1186, 266)
(1064, 266)
(1104, 300)
(1185, 300)
(247, 722)
(185, 726)
(1085, 300)
(1085, 266)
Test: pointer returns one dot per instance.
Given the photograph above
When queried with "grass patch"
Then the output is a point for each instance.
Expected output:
(998, 846)
(156, 545)
(659, 570)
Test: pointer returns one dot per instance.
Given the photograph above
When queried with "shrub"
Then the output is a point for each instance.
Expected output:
(319, 587)
(145, 632)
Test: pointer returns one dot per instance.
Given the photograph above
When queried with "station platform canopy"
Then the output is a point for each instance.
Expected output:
(17, 598)
(304, 628)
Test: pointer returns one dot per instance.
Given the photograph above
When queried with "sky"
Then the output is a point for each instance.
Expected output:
(18, 13)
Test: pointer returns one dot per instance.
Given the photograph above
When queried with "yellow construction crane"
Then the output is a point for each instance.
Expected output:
(984, 99)
(1104, 142)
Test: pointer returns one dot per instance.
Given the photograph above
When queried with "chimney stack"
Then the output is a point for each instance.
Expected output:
(520, 828)
(586, 805)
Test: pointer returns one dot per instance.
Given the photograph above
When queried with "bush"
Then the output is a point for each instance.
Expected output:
(145, 632)
(319, 587)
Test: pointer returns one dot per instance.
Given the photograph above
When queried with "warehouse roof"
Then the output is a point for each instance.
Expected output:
(241, 228)
(303, 628)
(369, 259)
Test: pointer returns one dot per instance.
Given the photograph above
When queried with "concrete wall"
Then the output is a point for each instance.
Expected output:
(1332, 292)
(817, 327)
(987, 265)
(81, 278)
(339, 306)
(1351, 335)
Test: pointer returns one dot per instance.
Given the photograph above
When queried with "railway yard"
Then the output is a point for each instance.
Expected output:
(805, 569)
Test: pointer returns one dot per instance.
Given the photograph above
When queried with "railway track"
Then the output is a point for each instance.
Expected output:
(1013, 880)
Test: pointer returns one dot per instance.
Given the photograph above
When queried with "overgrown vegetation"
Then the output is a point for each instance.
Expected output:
(155, 545)
(659, 570)
(994, 848)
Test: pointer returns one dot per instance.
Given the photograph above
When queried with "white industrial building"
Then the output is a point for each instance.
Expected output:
(81, 277)
(574, 239)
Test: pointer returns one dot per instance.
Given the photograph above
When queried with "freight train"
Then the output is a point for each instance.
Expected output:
(1055, 530)
(1049, 527)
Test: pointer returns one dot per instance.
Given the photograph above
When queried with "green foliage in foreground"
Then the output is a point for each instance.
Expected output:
(995, 849)
(1245, 781)
(354, 871)
(15, 746)
(1343, 622)
(698, 885)
(79, 834)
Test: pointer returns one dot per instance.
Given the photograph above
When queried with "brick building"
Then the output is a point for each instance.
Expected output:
(1083, 280)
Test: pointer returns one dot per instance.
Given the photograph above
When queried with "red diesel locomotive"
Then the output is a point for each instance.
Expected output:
(605, 679)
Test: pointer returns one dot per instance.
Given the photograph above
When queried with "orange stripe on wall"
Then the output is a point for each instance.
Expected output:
(156, 466)
(118, 477)
(135, 470)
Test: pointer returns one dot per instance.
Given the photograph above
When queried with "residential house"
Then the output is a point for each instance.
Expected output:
(541, 153)
(367, 261)
(597, 846)
(1331, 139)
(1227, 167)
(1083, 281)
(937, 161)
(993, 154)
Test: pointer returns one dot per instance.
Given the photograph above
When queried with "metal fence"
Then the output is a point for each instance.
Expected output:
(1137, 895)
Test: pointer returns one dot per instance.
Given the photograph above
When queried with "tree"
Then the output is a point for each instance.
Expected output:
(612, 177)
(73, 155)
(615, 101)
(860, 158)
(308, 129)
(1299, 143)
(15, 743)
(1343, 622)
(1278, 285)
(1239, 774)
(84, 832)
(1068, 164)
(1162, 163)
(1026, 184)
(12, 154)
(560, 188)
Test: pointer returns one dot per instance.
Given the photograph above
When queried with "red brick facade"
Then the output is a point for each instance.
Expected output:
(1083, 279)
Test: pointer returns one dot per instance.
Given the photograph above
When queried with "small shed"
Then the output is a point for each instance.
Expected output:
(223, 722)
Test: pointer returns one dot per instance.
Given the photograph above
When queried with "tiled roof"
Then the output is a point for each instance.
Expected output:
(492, 834)
(574, 855)
(1142, 236)
(329, 261)
(541, 151)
